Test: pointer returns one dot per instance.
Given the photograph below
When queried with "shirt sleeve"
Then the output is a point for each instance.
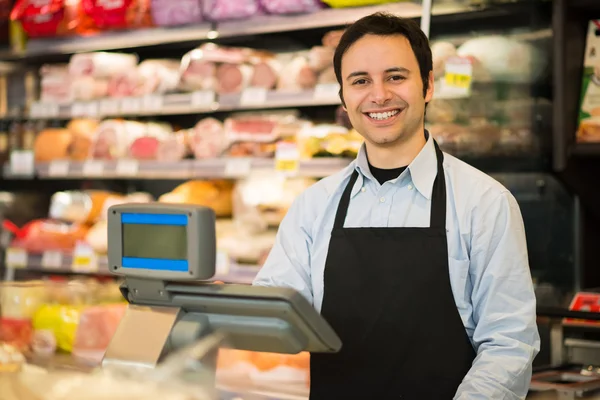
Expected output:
(506, 336)
(288, 263)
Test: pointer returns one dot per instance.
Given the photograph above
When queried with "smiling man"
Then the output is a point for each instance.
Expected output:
(417, 260)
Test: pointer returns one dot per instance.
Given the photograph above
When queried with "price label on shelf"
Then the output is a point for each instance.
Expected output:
(52, 259)
(203, 99)
(222, 263)
(458, 77)
(50, 110)
(152, 103)
(22, 163)
(93, 168)
(327, 92)
(127, 167)
(16, 258)
(238, 167)
(254, 96)
(78, 110)
(287, 157)
(84, 259)
(58, 168)
(92, 109)
(109, 107)
(36, 110)
(131, 105)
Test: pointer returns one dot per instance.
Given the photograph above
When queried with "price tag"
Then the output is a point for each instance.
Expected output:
(131, 105)
(203, 99)
(78, 110)
(16, 258)
(254, 96)
(93, 168)
(51, 110)
(458, 77)
(127, 167)
(222, 263)
(287, 157)
(327, 91)
(84, 259)
(36, 110)
(152, 103)
(52, 259)
(91, 109)
(238, 167)
(109, 107)
(58, 168)
(22, 162)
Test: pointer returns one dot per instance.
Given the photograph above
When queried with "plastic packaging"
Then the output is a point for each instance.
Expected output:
(173, 13)
(222, 10)
(291, 6)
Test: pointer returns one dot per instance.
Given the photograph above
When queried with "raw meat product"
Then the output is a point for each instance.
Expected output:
(113, 138)
(207, 138)
(173, 148)
(172, 13)
(199, 66)
(506, 59)
(119, 14)
(88, 88)
(255, 128)
(199, 75)
(158, 76)
(101, 64)
(221, 10)
(55, 84)
(97, 326)
(266, 73)
(332, 38)
(440, 52)
(320, 58)
(52, 144)
(233, 78)
(125, 85)
(291, 6)
(297, 75)
(219, 54)
(47, 235)
(144, 148)
(327, 76)
(215, 194)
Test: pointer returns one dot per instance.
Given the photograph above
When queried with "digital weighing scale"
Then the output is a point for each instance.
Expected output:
(166, 253)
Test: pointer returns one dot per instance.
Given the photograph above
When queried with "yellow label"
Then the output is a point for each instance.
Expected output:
(286, 165)
(458, 80)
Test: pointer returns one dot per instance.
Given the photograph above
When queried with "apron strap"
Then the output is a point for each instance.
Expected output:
(438, 194)
(340, 215)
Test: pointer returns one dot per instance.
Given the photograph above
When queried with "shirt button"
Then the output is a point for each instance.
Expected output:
(363, 189)
(382, 199)
(410, 187)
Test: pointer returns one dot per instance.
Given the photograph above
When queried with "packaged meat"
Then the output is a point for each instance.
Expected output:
(113, 138)
(297, 75)
(291, 6)
(262, 128)
(207, 138)
(88, 88)
(265, 73)
(119, 14)
(46, 18)
(144, 148)
(327, 76)
(174, 13)
(215, 194)
(97, 326)
(174, 148)
(159, 76)
(222, 10)
(251, 149)
(233, 78)
(55, 84)
(49, 235)
(53, 144)
(101, 64)
(320, 58)
(83, 207)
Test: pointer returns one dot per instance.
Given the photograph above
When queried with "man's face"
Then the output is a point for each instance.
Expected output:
(383, 89)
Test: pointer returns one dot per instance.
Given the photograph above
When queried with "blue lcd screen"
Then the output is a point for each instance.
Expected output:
(154, 241)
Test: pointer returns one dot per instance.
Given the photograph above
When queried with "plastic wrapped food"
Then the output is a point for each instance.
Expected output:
(19, 302)
(47, 18)
(297, 75)
(291, 6)
(119, 14)
(216, 194)
(48, 235)
(173, 13)
(222, 10)
(79, 206)
(101, 64)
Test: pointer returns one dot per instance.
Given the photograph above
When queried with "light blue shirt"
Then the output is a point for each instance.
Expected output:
(487, 250)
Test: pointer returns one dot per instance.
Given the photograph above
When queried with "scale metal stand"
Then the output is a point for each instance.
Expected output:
(164, 252)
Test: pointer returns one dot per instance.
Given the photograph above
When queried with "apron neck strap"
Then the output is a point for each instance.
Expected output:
(438, 196)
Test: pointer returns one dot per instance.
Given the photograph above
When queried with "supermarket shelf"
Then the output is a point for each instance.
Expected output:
(188, 103)
(587, 149)
(325, 18)
(185, 169)
(63, 263)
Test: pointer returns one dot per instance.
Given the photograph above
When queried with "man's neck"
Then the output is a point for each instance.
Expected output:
(398, 155)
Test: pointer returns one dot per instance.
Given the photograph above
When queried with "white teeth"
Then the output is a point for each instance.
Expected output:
(385, 115)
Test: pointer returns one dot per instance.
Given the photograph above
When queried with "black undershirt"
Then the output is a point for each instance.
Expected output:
(384, 175)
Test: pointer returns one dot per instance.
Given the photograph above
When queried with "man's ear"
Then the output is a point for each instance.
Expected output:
(342, 100)
(429, 93)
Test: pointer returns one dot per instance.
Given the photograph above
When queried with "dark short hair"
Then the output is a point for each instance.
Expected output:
(384, 24)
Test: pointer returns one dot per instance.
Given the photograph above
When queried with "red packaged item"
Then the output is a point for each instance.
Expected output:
(47, 18)
(119, 14)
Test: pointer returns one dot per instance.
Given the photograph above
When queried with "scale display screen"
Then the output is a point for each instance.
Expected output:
(155, 241)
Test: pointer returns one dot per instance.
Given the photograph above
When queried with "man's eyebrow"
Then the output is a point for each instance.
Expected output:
(387, 71)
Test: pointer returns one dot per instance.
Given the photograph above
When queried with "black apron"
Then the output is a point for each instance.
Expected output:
(388, 296)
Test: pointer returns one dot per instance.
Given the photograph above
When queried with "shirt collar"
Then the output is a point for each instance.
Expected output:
(423, 169)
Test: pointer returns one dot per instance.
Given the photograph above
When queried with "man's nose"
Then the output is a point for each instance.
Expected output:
(380, 93)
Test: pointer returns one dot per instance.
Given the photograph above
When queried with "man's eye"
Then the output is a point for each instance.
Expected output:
(397, 78)
(360, 82)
